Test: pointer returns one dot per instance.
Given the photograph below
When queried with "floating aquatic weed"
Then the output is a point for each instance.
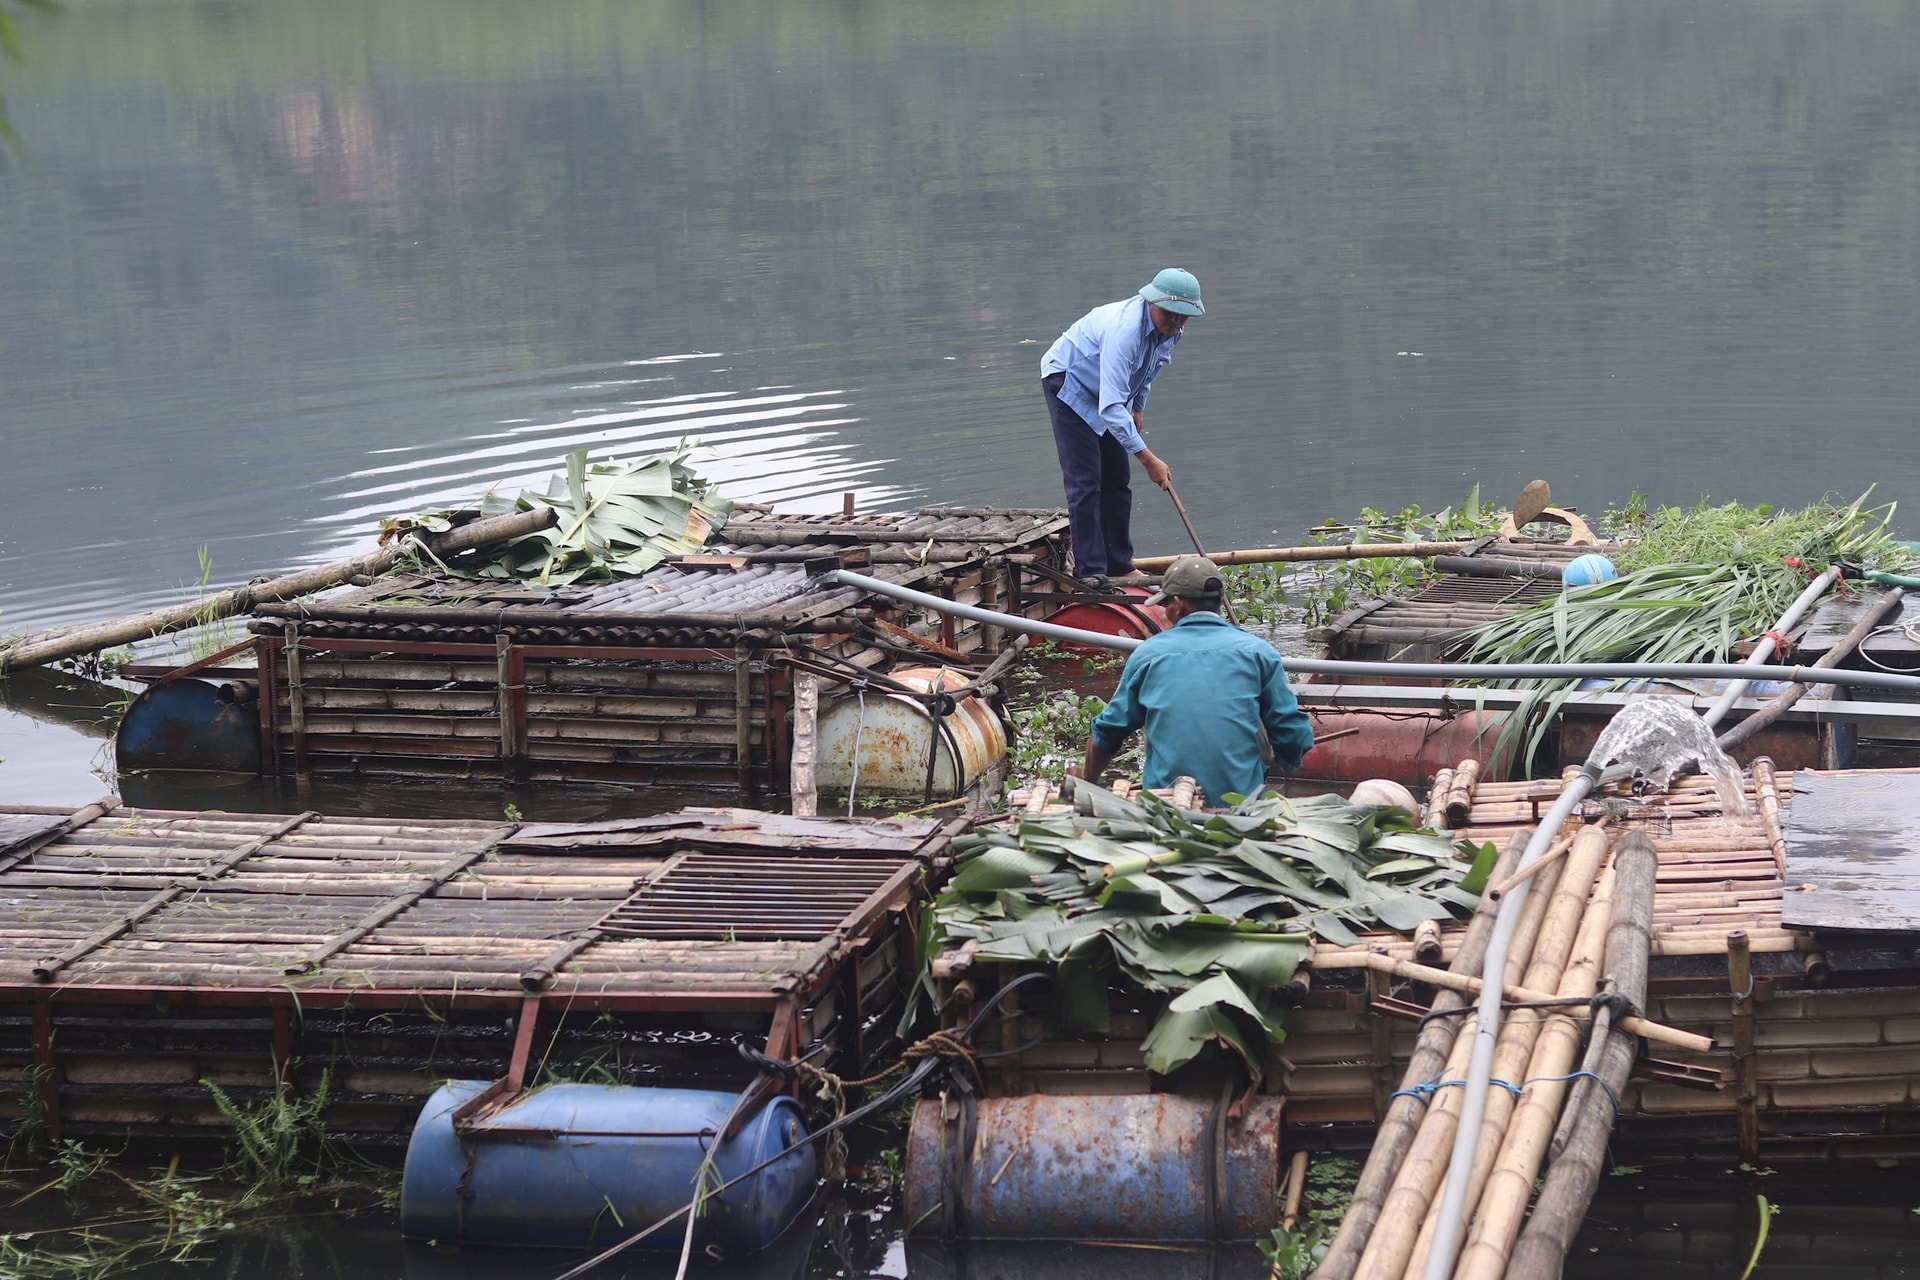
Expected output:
(1659, 738)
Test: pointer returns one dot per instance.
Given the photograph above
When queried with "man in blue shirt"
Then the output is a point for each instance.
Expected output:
(1095, 380)
(1213, 699)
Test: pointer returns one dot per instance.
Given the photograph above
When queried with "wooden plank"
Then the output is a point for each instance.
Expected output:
(46, 968)
(380, 915)
(806, 714)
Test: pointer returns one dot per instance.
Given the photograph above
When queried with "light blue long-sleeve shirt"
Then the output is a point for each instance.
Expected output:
(1203, 690)
(1110, 356)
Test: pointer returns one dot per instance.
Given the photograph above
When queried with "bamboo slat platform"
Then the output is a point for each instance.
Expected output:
(682, 676)
(143, 952)
(1431, 624)
(1821, 1057)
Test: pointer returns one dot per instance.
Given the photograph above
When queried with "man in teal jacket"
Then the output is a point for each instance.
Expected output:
(1213, 699)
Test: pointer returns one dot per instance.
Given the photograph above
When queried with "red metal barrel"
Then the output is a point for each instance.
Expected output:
(1131, 616)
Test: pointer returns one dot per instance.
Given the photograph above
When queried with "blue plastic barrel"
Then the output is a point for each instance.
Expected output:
(583, 1165)
(188, 724)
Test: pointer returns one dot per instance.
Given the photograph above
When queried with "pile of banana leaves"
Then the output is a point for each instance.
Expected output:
(1213, 910)
(613, 520)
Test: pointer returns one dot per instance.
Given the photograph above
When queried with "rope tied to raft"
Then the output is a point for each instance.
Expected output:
(923, 1068)
(1424, 1093)
(830, 1090)
(1781, 645)
(1505, 1005)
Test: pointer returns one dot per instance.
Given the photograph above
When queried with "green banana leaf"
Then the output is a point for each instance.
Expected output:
(612, 520)
(1214, 911)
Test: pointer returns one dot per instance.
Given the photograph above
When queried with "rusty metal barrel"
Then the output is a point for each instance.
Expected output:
(899, 740)
(1127, 614)
(1151, 1166)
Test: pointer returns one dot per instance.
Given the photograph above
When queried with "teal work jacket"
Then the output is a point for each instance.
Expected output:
(1203, 690)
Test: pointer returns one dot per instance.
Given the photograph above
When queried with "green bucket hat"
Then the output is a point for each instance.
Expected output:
(1190, 577)
(1175, 289)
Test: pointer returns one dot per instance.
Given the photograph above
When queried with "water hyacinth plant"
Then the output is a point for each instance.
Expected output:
(1212, 910)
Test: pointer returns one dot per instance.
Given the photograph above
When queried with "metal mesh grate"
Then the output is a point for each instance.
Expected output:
(740, 897)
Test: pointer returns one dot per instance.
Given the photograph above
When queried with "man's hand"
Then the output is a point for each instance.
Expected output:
(1157, 471)
(1096, 762)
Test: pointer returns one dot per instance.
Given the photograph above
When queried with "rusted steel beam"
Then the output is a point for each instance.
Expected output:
(296, 700)
(769, 533)
(46, 1081)
(743, 720)
(228, 862)
(398, 999)
(283, 1044)
(514, 1081)
(266, 656)
(520, 615)
(541, 975)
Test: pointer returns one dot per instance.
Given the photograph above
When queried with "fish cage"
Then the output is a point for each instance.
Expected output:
(684, 676)
(159, 966)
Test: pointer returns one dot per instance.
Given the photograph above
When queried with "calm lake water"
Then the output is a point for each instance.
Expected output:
(272, 269)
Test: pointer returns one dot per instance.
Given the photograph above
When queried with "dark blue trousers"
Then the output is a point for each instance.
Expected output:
(1098, 475)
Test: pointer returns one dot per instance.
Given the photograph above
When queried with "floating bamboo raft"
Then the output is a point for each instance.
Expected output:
(144, 953)
(682, 676)
(1813, 1036)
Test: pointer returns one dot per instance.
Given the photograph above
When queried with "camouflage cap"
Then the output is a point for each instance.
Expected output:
(1190, 578)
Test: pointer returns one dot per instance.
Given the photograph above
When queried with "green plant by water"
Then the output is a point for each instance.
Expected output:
(1329, 1193)
(1323, 590)
(1694, 582)
(277, 1163)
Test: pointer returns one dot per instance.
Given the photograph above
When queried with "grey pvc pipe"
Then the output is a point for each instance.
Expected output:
(1764, 650)
(1885, 680)
(1486, 1033)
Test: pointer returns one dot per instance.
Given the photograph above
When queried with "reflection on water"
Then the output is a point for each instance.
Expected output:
(1850, 1225)
(1847, 1223)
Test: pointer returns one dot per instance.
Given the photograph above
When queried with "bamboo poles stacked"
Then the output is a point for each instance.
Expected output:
(1579, 1147)
(1557, 947)
(1404, 1113)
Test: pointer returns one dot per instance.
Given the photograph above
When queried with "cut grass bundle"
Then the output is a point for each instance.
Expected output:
(1694, 583)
